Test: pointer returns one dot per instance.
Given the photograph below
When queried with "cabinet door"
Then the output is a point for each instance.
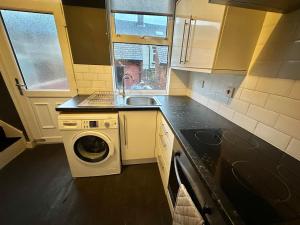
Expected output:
(182, 16)
(202, 43)
(203, 10)
(203, 34)
(88, 32)
(184, 8)
(179, 41)
(138, 129)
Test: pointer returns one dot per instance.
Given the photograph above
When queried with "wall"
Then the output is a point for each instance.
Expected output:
(87, 30)
(91, 78)
(8, 112)
(267, 100)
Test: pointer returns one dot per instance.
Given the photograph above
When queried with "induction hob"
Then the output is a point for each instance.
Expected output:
(261, 182)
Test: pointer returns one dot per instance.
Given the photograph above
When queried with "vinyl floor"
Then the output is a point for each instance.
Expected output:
(37, 189)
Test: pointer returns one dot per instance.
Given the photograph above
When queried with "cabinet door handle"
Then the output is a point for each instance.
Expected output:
(188, 40)
(183, 36)
(125, 129)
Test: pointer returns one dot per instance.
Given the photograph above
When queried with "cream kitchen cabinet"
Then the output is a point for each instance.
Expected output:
(138, 133)
(164, 147)
(214, 38)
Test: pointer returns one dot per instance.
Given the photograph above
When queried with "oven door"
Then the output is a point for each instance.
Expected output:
(182, 171)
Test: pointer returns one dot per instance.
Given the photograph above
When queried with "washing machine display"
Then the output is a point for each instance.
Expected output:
(92, 149)
(93, 124)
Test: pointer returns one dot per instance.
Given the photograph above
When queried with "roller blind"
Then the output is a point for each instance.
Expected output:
(149, 7)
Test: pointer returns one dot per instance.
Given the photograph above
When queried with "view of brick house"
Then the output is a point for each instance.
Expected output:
(145, 64)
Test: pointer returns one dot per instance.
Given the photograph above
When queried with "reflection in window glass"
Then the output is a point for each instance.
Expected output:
(146, 66)
(141, 25)
(34, 40)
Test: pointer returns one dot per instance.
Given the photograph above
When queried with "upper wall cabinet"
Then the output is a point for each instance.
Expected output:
(213, 38)
(87, 25)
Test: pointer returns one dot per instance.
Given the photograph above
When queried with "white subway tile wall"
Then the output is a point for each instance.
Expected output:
(179, 81)
(91, 78)
(267, 100)
(293, 148)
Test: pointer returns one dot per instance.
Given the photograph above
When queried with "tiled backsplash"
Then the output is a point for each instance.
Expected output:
(91, 78)
(267, 101)
(275, 118)
(179, 80)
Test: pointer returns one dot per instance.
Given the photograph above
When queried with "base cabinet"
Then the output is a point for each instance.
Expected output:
(163, 151)
(137, 131)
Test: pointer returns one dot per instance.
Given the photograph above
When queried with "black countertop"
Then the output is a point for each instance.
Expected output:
(182, 114)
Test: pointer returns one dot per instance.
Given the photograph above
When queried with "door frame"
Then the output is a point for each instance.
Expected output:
(9, 67)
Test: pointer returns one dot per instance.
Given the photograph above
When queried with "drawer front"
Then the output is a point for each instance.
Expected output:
(165, 148)
(164, 173)
(166, 130)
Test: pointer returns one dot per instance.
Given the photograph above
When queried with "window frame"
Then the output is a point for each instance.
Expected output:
(143, 40)
(131, 35)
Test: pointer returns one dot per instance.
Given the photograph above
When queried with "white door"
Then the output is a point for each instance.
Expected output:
(36, 63)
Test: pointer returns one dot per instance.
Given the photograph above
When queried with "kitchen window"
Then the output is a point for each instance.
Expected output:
(141, 43)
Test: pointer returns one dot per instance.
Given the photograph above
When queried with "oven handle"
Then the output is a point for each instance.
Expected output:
(184, 170)
(205, 208)
(176, 158)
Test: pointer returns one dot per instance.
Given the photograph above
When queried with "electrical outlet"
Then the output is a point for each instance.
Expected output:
(229, 92)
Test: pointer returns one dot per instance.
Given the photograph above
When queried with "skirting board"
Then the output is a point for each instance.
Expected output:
(138, 161)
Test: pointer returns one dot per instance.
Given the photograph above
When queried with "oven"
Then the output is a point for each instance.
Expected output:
(183, 172)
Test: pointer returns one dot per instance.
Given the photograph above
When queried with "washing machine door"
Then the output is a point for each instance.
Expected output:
(92, 147)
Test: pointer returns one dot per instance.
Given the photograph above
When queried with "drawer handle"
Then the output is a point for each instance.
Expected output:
(164, 129)
(69, 124)
(162, 140)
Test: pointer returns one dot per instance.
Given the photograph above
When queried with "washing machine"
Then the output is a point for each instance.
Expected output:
(92, 143)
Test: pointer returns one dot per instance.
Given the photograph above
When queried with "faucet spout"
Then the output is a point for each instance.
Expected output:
(125, 76)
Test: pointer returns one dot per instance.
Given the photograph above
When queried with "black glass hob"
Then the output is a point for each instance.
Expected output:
(261, 182)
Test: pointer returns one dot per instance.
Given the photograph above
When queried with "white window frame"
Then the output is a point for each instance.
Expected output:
(145, 40)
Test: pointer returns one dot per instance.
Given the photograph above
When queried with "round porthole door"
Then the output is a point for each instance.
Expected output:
(92, 147)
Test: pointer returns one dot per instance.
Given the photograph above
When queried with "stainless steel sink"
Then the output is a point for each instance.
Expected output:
(141, 101)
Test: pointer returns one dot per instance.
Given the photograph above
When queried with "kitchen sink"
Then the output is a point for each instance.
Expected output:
(142, 101)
